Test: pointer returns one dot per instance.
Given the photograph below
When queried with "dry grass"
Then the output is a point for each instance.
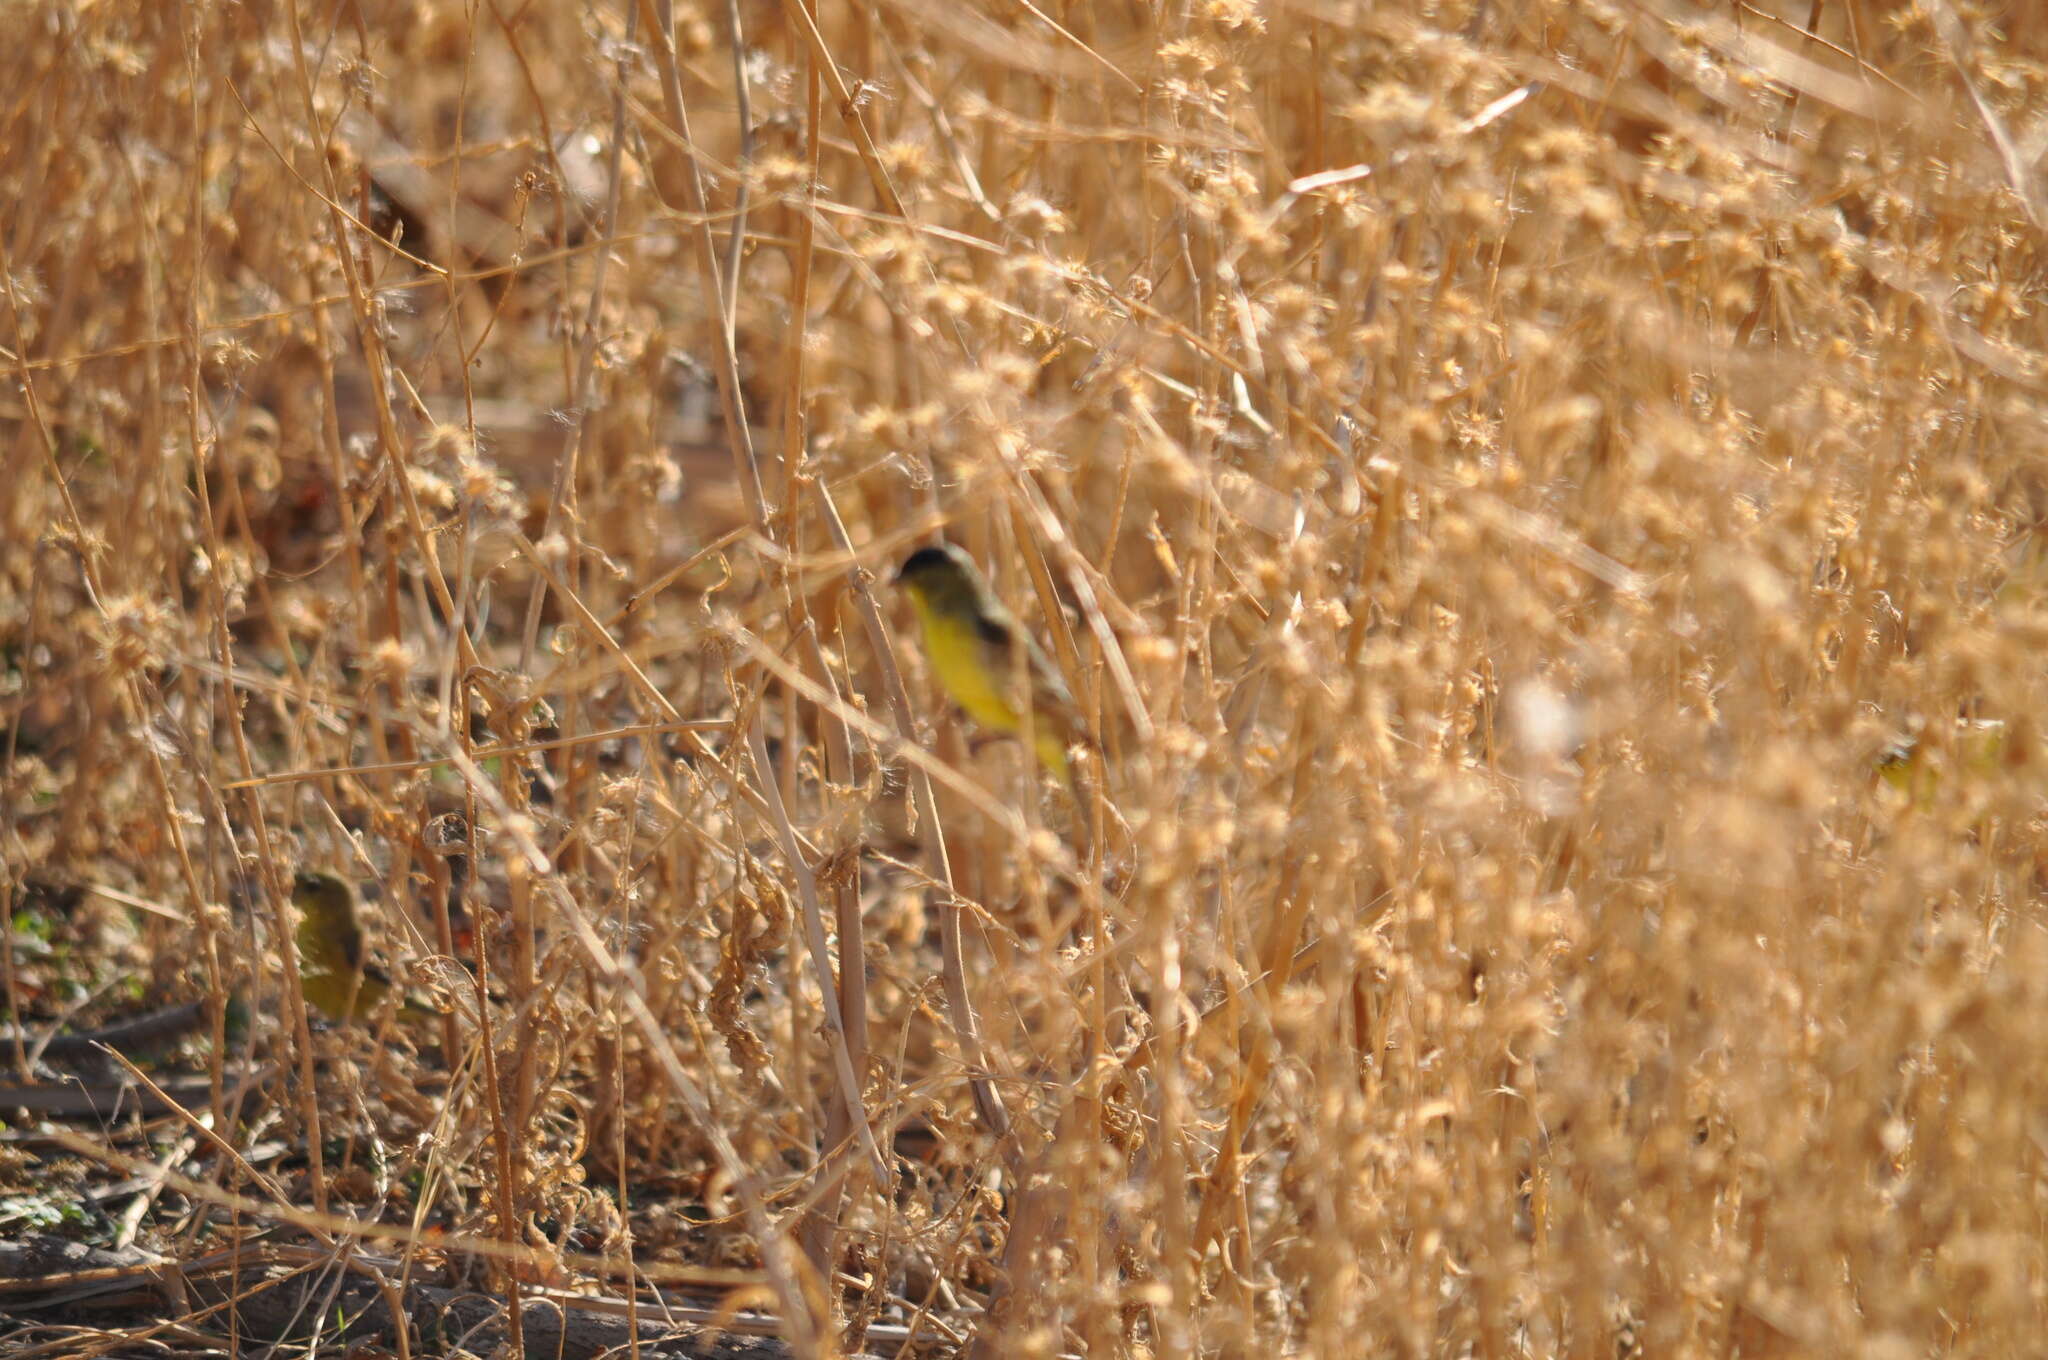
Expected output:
(1499, 474)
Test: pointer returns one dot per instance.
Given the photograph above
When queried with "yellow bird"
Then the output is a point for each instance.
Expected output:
(1981, 747)
(333, 973)
(974, 644)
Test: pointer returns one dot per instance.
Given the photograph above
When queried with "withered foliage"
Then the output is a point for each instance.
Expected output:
(1542, 503)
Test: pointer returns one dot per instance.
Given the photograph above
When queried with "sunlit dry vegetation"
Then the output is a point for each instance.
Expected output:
(1540, 503)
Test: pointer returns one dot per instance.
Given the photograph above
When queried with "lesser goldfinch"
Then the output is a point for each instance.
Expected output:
(335, 977)
(974, 643)
(1981, 747)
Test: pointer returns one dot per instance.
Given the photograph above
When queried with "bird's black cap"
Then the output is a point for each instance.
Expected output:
(928, 559)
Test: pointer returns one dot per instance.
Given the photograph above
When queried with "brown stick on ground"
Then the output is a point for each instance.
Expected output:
(137, 1034)
(274, 1306)
(110, 1098)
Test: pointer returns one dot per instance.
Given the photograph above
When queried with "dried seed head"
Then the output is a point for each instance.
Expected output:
(136, 632)
(909, 162)
(390, 662)
(1034, 216)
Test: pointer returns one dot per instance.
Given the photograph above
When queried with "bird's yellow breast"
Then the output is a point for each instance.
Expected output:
(961, 664)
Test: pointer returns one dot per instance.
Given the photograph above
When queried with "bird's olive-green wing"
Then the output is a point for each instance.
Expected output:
(1000, 637)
